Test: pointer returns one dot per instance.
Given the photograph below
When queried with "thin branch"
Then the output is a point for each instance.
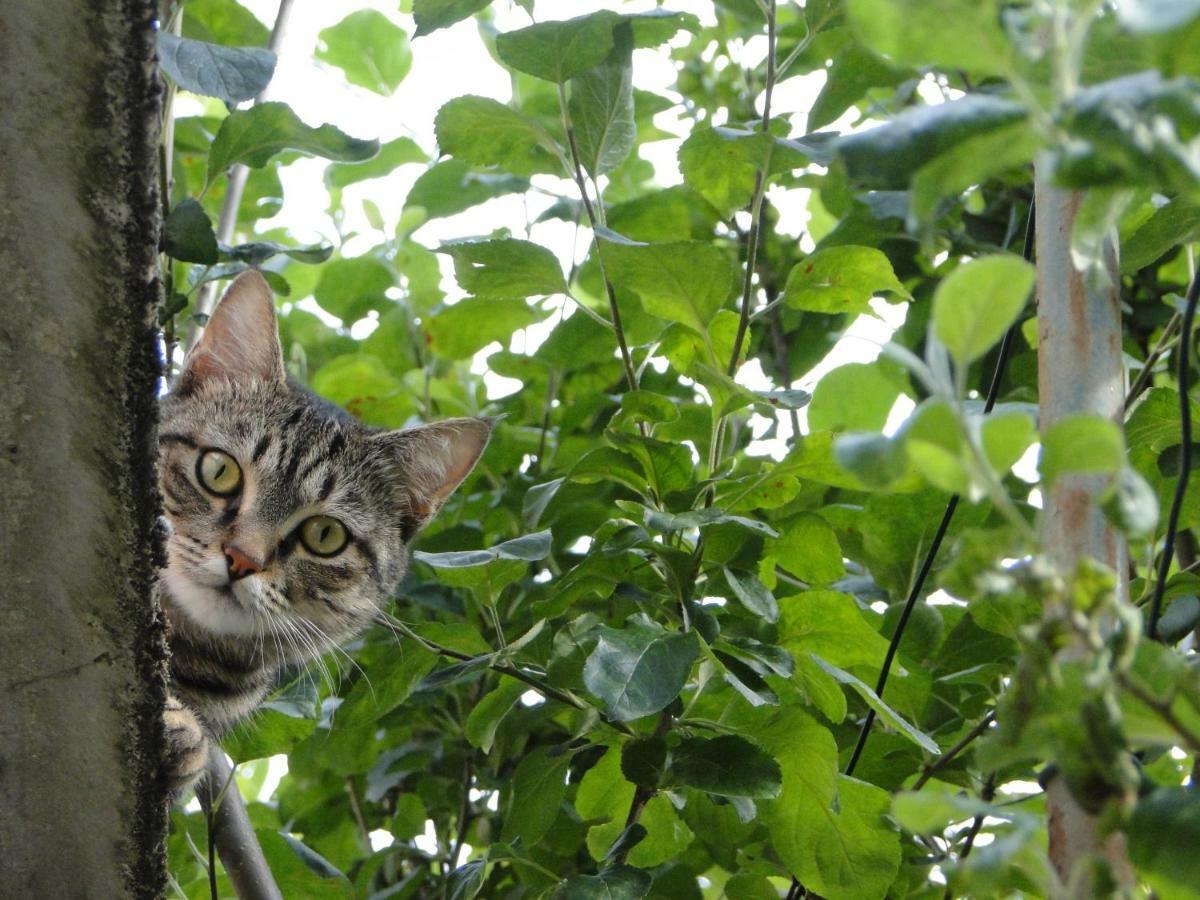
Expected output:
(1185, 455)
(232, 834)
(942, 761)
(756, 203)
(551, 693)
(464, 812)
(577, 174)
(227, 221)
(356, 808)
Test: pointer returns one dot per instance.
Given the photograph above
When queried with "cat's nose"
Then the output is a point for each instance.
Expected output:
(240, 563)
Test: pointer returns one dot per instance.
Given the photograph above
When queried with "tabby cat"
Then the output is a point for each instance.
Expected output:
(289, 521)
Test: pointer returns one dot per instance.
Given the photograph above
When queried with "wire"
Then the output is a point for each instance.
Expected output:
(1185, 456)
(918, 585)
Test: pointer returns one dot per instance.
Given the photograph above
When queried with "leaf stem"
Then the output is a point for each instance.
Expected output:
(942, 761)
(577, 174)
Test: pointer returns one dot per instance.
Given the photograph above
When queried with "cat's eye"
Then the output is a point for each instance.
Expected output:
(219, 472)
(323, 536)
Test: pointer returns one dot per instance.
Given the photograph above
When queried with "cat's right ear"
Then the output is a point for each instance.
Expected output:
(240, 343)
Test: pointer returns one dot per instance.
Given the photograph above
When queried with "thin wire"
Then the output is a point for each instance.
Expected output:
(1185, 456)
(918, 585)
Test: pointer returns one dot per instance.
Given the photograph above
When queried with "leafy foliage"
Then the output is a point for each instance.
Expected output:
(636, 652)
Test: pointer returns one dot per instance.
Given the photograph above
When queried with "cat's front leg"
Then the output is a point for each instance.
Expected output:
(187, 744)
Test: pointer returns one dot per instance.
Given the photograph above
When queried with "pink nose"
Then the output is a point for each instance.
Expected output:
(240, 563)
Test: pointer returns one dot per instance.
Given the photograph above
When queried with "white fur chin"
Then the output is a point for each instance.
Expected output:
(210, 608)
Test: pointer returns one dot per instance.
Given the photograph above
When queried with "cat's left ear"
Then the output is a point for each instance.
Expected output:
(432, 460)
(240, 343)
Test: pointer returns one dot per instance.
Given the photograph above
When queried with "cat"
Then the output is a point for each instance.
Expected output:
(288, 521)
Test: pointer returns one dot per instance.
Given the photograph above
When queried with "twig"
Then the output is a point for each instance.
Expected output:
(1185, 454)
(227, 221)
(357, 810)
(537, 684)
(577, 174)
(642, 794)
(232, 834)
(756, 203)
(464, 813)
(942, 761)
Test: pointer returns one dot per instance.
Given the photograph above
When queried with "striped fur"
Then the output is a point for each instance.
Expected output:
(299, 457)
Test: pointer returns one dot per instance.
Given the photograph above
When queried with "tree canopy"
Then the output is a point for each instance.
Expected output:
(658, 645)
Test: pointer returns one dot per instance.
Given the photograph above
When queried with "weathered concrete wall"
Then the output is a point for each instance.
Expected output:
(81, 647)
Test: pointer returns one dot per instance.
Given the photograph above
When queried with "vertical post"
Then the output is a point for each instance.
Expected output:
(82, 657)
(1080, 370)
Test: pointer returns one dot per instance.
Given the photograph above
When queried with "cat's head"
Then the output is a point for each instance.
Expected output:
(289, 519)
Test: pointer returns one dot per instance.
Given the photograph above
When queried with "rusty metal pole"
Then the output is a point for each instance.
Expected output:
(1080, 370)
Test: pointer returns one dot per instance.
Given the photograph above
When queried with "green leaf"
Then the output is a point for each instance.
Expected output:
(637, 670)
(977, 302)
(887, 156)
(874, 459)
(854, 70)
(933, 440)
(371, 51)
(536, 792)
(467, 880)
(223, 22)
(953, 34)
(1170, 226)
(505, 268)
(231, 74)
(643, 760)
(829, 625)
(527, 548)
(1163, 835)
(808, 549)
(753, 595)
(450, 186)
(485, 132)
(257, 252)
(874, 391)
(391, 155)
(684, 281)
(349, 288)
(252, 136)
(1132, 505)
(885, 712)
(828, 829)
(557, 51)
(188, 234)
(296, 869)
(1005, 437)
(601, 108)
(1083, 444)
(431, 15)
(270, 732)
(619, 883)
(462, 330)
(728, 766)
(722, 164)
(393, 679)
(841, 279)
(973, 161)
(488, 713)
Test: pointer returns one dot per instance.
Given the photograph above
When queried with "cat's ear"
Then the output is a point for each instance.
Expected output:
(241, 340)
(432, 460)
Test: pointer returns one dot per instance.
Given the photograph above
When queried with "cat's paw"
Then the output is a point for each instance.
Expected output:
(187, 745)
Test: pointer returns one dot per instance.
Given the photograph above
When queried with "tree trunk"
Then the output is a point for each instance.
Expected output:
(1080, 370)
(82, 657)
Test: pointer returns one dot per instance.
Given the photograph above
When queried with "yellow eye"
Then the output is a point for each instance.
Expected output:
(219, 473)
(323, 536)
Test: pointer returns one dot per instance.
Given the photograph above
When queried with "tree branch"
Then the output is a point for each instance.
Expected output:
(231, 832)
